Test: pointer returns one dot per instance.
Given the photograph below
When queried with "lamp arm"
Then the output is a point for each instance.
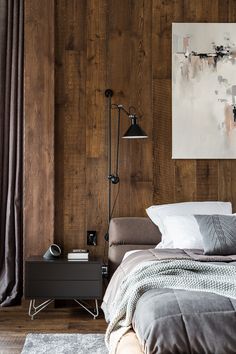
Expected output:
(114, 178)
(118, 144)
(121, 107)
(109, 95)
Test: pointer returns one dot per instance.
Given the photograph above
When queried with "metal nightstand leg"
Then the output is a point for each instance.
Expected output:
(94, 314)
(33, 309)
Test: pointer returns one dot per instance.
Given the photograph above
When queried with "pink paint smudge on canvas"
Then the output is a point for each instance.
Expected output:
(229, 119)
(185, 43)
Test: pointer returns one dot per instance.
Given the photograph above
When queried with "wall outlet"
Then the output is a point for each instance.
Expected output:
(105, 270)
(91, 238)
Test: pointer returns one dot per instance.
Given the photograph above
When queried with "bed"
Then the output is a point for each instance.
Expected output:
(128, 234)
(203, 309)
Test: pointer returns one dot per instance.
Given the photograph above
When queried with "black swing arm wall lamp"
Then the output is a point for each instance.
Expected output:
(134, 132)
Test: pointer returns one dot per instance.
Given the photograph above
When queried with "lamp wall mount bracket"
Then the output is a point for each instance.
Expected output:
(109, 93)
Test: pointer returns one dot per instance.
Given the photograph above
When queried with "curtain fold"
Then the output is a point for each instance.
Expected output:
(11, 150)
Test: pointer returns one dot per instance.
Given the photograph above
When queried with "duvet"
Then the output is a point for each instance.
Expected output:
(177, 301)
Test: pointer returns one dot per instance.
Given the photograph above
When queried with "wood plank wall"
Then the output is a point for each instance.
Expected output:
(183, 180)
(124, 45)
(38, 126)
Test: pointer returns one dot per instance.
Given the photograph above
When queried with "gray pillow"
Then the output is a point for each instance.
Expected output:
(218, 233)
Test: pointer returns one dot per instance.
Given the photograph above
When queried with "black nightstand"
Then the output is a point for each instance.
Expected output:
(62, 279)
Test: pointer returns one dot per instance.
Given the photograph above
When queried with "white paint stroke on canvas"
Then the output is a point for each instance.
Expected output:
(203, 90)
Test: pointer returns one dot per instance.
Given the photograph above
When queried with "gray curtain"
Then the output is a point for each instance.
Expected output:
(11, 133)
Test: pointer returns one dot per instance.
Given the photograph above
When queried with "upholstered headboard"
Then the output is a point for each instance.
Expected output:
(130, 233)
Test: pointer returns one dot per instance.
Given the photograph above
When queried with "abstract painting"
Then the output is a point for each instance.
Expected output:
(204, 90)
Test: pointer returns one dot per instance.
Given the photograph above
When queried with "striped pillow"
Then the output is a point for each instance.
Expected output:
(218, 233)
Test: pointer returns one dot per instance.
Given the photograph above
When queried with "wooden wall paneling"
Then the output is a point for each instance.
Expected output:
(207, 177)
(120, 56)
(74, 147)
(231, 10)
(185, 180)
(181, 172)
(124, 45)
(71, 107)
(223, 10)
(60, 28)
(189, 11)
(162, 13)
(206, 11)
(140, 158)
(163, 167)
(96, 122)
(207, 174)
(38, 126)
(185, 170)
(225, 180)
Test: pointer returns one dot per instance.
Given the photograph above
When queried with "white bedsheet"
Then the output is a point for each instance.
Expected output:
(129, 253)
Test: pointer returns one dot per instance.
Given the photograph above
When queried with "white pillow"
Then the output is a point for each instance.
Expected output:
(182, 232)
(157, 213)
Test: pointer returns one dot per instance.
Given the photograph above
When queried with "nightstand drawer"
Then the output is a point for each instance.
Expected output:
(63, 289)
(61, 271)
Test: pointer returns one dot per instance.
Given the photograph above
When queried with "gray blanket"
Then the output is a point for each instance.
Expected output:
(179, 321)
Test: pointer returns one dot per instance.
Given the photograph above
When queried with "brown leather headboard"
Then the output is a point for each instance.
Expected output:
(130, 233)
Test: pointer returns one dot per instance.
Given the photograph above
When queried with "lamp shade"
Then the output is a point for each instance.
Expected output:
(134, 131)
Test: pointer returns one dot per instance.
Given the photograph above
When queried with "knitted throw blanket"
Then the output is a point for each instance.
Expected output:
(175, 274)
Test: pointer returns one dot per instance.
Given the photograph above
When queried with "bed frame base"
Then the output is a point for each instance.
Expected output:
(129, 344)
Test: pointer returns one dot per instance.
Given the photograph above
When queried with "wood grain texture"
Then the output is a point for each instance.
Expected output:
(225, 180)
(207, 179)
(163, 165)
(38, 126)
(70, 109)
(124, 45)
(207, 171)
(129, 66)
(185, 170)
(119, 76)
(141, 170)
(96, 122)
(183, 180)
(15, 324)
